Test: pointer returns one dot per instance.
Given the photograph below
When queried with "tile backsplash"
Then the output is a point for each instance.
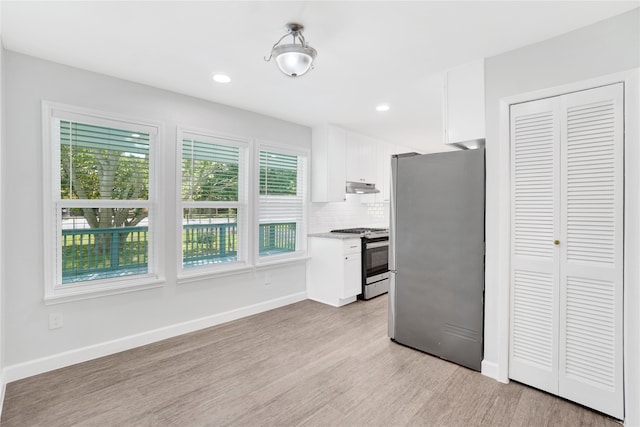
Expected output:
(348, 214)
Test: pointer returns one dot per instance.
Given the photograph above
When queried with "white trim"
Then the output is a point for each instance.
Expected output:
(60, 360)
(82, 293)
(280, 258)
(212, 273)
(81, 114)
(211, 135)
(253, 192)
(632, 250)
(53, 292)
(101, 203)
(282, 148)
(2, 258)
(490, 369)
(3, 388)
(242, 205)
(631, 80)
(280, 262)
(231, 205)
(301, 235)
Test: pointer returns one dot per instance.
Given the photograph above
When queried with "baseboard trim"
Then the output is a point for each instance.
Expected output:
(61, 360)
(3, 389)
(490, 369)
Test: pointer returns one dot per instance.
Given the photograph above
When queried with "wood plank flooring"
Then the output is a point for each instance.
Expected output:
(306, 364)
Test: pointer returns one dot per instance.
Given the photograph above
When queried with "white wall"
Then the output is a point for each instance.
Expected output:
(95, 326)
(606, 47)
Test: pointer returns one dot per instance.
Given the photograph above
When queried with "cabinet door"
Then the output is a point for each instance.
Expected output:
(360, 158)
(384, 163)
(368, 156)
(328, 151)
(353, 167)
(352, 275)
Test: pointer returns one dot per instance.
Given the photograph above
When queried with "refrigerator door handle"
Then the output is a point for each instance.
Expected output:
(392, 214)
(391, 331)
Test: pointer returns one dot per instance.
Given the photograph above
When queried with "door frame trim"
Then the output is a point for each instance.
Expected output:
(499, 369)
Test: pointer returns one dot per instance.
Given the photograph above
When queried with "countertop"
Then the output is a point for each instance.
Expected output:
(329, 235)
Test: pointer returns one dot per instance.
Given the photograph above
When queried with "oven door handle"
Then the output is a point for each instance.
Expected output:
(377, 244)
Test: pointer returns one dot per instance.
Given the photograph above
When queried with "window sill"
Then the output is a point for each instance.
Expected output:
(212, 273)
(282, 261)
(232, 271)
(83, 292)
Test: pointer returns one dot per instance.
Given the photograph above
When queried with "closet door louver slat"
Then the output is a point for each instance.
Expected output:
(581, 177)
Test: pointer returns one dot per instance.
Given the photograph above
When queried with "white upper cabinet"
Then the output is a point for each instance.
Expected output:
(338, 156)
(384, 172)
(383, 154)
(328, 151)
(361, 158)
(463, 104)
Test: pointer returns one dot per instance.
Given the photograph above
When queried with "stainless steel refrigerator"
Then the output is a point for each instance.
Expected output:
(436, 254)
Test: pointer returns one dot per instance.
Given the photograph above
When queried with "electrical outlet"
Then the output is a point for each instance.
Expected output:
(267, 279)
(55, 321)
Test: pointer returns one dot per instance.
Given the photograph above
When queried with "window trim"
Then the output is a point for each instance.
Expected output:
(54, 292)
(301, 237)
(185, 275)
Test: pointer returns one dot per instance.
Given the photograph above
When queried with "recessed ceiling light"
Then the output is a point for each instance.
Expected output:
(221, 78)
(382, 107)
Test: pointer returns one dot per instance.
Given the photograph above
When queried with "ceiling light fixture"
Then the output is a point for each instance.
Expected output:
(293, 59)
(382, 107)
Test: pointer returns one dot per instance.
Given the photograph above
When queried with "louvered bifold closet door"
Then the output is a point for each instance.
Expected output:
(535, 132)
(591, 275)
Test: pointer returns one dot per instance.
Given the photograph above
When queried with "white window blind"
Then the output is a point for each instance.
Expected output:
(282, 202)
(213, 200)
(101, 198)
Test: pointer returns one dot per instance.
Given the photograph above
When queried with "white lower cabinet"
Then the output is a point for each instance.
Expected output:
(334, 273)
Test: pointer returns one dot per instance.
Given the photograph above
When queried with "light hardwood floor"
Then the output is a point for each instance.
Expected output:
(306, 364)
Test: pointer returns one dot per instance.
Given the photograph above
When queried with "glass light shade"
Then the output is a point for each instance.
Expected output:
(294, 60)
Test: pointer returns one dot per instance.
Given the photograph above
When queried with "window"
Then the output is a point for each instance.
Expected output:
(101, 205)
(282, 202)
(213, 201)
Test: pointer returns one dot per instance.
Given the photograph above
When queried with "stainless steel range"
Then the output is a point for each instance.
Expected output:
(375, 260)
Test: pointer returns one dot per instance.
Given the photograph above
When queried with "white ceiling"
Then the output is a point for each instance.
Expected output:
(368, 52)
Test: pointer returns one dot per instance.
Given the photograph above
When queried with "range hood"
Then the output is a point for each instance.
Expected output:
(361, 188)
